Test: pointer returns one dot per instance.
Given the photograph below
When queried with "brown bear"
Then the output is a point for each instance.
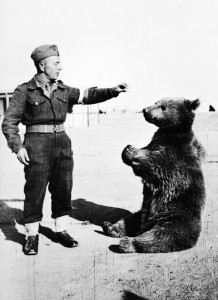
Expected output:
(173, 183)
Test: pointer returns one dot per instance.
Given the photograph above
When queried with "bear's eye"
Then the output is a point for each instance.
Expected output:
(163, 107)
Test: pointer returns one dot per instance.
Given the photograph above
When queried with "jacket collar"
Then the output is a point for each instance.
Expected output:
(34, 85)
(60, 84)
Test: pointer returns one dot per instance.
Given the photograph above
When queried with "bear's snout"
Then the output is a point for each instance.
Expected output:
(147, 114)
(145, 111)
(127, 154)
(129, 148)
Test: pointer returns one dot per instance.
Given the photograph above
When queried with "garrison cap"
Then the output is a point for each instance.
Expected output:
(44, 51)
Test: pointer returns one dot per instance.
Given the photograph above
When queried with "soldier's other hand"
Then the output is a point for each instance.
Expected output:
(23, 157)
(122, 87)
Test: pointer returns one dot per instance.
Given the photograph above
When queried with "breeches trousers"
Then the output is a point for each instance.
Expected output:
(51, 164)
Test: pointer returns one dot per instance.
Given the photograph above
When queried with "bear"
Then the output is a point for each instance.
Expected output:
(170, 167)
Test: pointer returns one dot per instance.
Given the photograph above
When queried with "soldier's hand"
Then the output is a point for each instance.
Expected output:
(23, 157)
(122, 87)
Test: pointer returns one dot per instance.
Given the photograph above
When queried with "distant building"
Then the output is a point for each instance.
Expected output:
(211, 108)
(82, 116)
(4, 102)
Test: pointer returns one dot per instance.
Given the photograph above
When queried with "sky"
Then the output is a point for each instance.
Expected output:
(160, 48)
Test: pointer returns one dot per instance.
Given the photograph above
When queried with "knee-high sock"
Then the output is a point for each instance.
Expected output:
(32, 228)
(61, 223)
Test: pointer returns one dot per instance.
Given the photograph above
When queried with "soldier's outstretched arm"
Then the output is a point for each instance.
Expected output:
(96, 95)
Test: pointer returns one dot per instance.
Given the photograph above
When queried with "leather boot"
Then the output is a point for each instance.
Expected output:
(65, 239)
(31, 246)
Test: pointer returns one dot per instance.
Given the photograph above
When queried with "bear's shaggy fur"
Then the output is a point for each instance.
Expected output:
(173, 183)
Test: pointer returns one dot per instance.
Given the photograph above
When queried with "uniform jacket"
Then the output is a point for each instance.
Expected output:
(30, 105)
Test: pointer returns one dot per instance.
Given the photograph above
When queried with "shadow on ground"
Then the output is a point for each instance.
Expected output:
(82, 210)
(131, 296)
(96, 214)
(9, 216)
(47, 232)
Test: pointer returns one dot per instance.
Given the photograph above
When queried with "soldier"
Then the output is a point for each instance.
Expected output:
(42, 105)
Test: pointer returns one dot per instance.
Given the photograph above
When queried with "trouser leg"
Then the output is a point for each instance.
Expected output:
(61, 180)
(36, 175)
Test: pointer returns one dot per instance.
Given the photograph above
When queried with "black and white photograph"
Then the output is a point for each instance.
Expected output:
(109, 150)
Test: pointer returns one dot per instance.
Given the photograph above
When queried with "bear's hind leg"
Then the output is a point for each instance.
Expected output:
(126, 245)
(152, 241)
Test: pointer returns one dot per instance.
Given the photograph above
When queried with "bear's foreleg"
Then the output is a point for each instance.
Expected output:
(129, 226)
(116, 230)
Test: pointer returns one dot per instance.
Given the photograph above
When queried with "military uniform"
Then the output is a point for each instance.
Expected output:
(43, 107)
(46, 142)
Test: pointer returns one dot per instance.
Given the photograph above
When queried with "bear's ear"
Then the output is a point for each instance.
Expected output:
(192, 105)
(195, 104)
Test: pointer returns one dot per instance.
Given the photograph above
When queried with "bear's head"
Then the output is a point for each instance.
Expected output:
(172, 113)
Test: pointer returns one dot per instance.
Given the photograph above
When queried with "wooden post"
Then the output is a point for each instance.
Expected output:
(7, 100)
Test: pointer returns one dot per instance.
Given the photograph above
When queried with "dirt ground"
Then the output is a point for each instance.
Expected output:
(105, 188)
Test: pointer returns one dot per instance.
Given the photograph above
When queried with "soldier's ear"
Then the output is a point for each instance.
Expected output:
(192, 105)
(41, 65)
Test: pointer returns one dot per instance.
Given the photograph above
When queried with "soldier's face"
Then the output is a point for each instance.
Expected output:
(52, 67)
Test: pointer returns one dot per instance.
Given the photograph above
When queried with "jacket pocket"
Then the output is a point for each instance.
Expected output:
(35, 101)
(62, 99)
(68, 153)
